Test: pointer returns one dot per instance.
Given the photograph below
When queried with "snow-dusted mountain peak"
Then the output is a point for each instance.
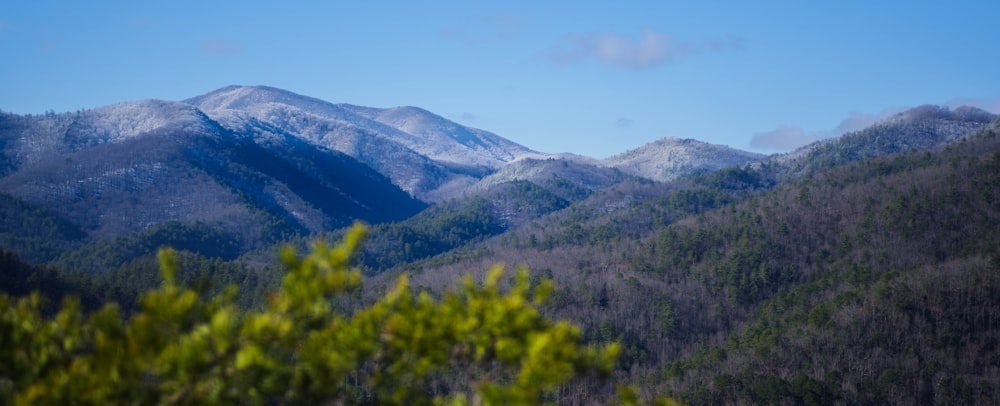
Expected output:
(419, 150)
(929, 112)
(415, 128)
(246, 97)
(671, 157)
(125, 120)
(445, 140)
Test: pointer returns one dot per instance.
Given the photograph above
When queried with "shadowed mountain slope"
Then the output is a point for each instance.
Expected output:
(125, 168)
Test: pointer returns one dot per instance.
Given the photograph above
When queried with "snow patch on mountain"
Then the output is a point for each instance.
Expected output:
(669, 158)
(36, 139)
(447, 141)
(121, 121)
(419, 130)
(578, 172)
(424, 154)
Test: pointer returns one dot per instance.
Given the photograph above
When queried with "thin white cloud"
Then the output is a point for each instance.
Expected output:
(856, 121)
(650, 50)
(221, 46)
(990, 105)
(506, 24)
(784, 138)
(488, 29)
(624, 122)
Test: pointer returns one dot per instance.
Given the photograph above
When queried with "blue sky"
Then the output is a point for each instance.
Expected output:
(594, 78)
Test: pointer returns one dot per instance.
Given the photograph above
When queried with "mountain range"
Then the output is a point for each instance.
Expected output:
(259, 164)
(861, 269)
(252, 166)
(868, 273)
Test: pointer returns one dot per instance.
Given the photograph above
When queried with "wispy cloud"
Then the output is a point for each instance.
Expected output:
(990, 105)
(786, 138)
(651, 49)
(856, 120)
(487, 29)
(624, 122)
(221, 46)
(468, 117)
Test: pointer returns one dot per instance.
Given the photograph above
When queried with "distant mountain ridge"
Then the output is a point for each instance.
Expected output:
(32, 140)
(422, 153)
(861, 269)
(921, 128)
(130, 167)
(255, 165)
(425, 154)
(863, 274)
(668, 158)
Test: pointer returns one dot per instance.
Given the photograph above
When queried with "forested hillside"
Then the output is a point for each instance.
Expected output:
(874, 281)
(153, 173)
(862, 269)
(871, 283)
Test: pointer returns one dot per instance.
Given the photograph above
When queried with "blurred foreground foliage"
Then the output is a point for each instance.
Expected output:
(482, 343)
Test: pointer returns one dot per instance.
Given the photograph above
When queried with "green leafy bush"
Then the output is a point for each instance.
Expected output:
(479, 343)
